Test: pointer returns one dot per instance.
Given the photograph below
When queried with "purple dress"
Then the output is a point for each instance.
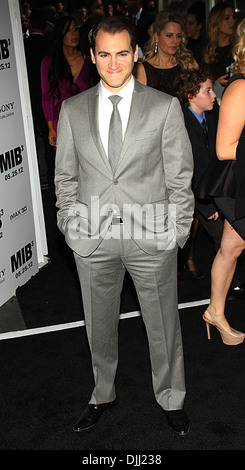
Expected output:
(52, 104)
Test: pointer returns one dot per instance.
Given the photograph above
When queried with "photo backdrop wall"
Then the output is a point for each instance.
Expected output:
(23, 246)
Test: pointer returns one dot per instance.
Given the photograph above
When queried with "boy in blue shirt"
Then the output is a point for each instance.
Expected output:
(194, 89)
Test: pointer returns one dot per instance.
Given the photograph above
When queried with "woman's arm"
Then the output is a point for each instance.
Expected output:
(223, 79)
(231, 120)
(51, 134)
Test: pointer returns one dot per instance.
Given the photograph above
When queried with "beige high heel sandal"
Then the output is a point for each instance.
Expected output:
(230, 338)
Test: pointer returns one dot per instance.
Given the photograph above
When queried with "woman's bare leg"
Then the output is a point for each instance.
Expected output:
(222, 273)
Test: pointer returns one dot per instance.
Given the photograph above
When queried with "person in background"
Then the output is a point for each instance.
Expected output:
(151, 5)
(36, 48)
(51, 18)
(60, 9)
(195, 92)
(230, 148)
(25, 25)
(177, 8)
(96, 12)
(109, 9)
(142, 19)
(166, 54)
(194, 89)
(25, 7)
(194, 26)
(83, 14)
(65, 73)
(217, 54)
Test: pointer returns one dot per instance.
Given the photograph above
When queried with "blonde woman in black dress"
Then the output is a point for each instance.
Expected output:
(166, 54)
(230, 145)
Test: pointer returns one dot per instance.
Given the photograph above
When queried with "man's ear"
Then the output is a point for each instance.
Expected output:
(190, 98)
(92, 55)
(136, 53)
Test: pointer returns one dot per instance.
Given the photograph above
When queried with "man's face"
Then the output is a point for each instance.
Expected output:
(192, 27)
(114, 59)
(132, 5)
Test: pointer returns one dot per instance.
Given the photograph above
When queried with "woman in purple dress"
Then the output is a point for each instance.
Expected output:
(64, 73)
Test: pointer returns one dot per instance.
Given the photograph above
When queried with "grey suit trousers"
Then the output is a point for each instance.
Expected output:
(155, 278)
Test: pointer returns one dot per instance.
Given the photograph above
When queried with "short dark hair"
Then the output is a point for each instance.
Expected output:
(113, 25)
(189, 83)
(37, 19)
(198, 10)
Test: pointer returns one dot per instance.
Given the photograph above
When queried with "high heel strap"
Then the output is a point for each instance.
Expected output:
(230, 338)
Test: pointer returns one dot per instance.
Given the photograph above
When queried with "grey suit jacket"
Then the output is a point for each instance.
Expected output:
(151, 187)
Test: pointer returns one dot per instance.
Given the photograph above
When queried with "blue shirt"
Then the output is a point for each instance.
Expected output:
(199, 118)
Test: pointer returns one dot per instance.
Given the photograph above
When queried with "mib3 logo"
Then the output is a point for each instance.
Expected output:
(11, 158)
(21, 260)
(4, 48)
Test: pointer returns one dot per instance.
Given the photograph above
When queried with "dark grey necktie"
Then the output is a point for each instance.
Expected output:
(115, 133)
(204, 125)
(205, 130)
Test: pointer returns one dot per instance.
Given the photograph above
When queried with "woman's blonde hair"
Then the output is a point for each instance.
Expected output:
(216, 15)
(238, 50)
(183, 56)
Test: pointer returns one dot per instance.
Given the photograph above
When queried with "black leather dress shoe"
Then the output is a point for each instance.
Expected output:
(91, 415)
(178, 421)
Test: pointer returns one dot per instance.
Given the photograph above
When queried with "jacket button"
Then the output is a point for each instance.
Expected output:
(115, 182)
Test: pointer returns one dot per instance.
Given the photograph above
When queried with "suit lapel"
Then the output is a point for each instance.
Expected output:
(137, 105)
(93, 108)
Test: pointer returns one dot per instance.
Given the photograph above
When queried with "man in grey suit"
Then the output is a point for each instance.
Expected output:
(126, 208)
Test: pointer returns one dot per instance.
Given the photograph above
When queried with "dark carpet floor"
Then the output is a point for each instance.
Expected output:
(46, 378)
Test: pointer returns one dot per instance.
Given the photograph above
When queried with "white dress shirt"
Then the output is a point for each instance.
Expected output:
(137, 16)
(106, 107)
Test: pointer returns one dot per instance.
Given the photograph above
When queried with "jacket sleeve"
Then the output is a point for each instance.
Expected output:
(178, 169)
(66, 172)
(47, 97)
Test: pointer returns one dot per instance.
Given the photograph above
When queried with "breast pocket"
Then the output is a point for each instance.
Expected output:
(147, 135)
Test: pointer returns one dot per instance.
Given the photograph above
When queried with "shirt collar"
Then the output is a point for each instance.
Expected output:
(199, 118)
(125, 92)
(137, 16)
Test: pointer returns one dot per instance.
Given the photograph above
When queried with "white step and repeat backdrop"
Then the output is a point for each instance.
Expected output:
(23, 247)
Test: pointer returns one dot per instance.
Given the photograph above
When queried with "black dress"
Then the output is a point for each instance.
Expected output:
(225, 181)
(197, 47)
(161, 79)
(225, 59)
